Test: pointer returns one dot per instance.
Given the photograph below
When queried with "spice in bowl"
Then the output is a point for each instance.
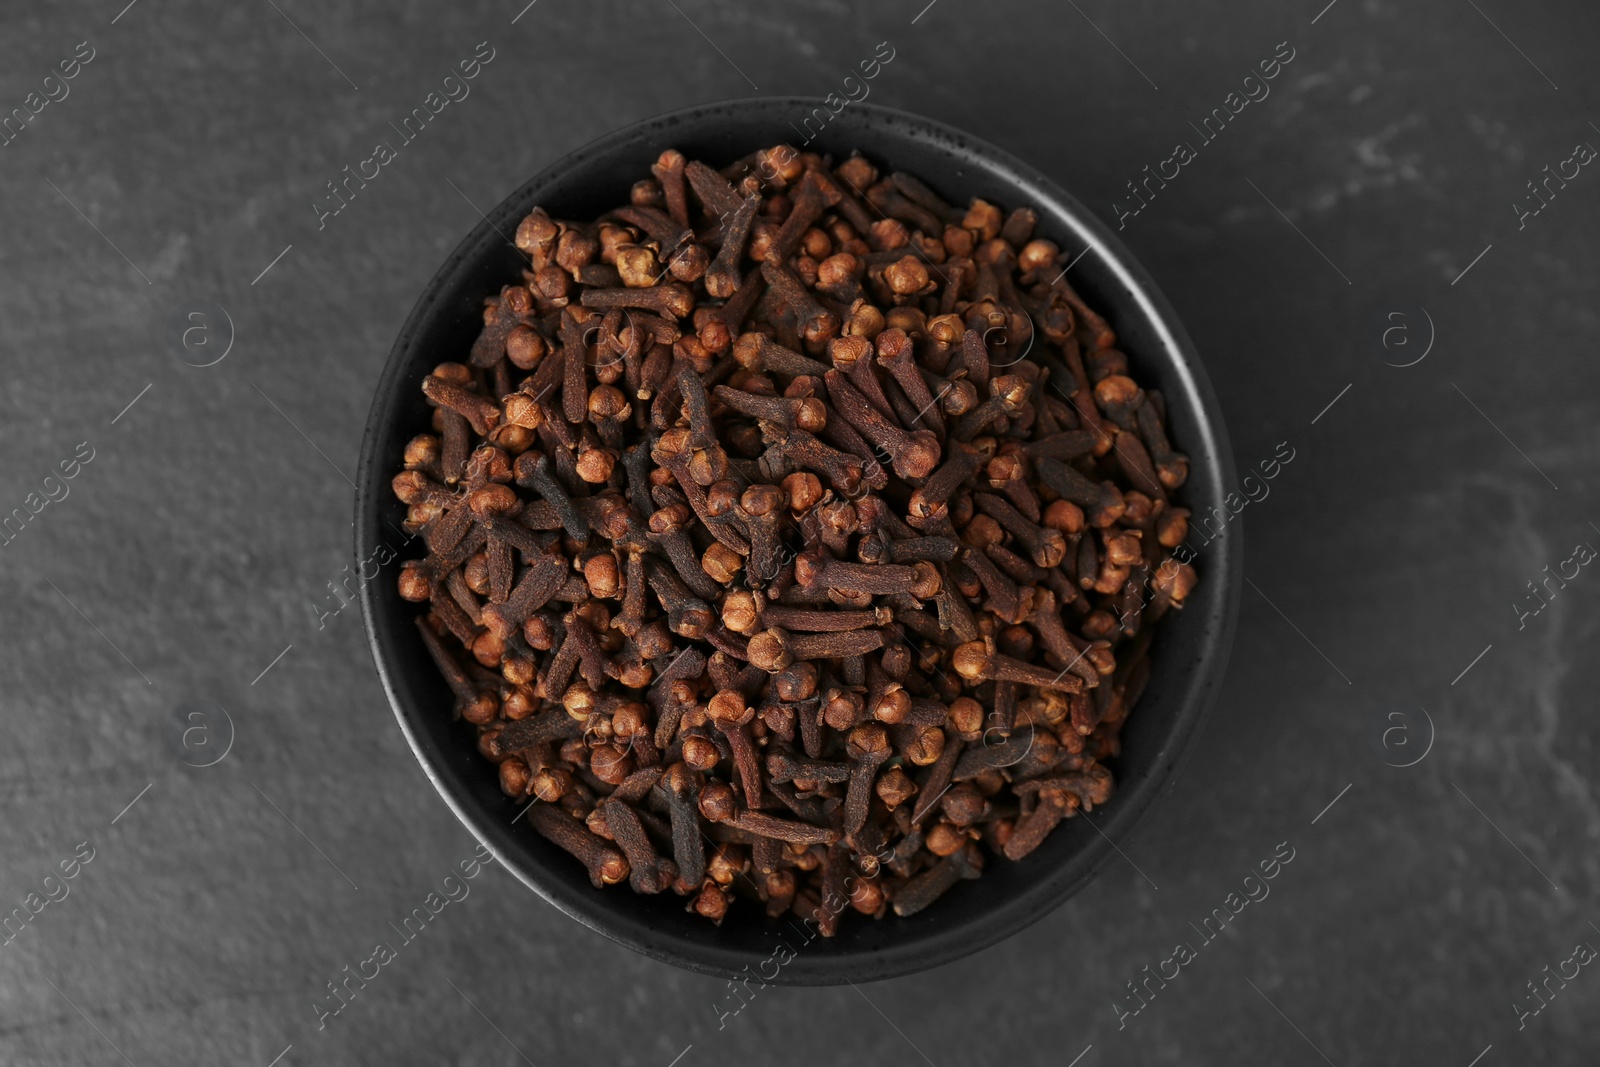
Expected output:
(793, 535)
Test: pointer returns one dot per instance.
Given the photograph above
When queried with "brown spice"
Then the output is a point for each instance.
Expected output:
(869, 596)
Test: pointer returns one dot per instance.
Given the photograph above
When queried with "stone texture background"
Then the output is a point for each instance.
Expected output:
(193, 547)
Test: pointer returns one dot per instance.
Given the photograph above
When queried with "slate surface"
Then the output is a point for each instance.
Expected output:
(195, 548)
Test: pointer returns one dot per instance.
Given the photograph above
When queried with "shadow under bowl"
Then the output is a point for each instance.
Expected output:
(1189, 655)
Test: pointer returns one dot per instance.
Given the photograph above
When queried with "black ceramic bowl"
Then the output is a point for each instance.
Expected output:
(1189, 655)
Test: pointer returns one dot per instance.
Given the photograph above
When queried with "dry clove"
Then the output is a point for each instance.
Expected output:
(759, 571)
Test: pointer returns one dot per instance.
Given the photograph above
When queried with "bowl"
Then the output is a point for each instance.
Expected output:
(1189, 655)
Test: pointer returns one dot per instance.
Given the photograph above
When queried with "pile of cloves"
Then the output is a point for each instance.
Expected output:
(793, 535)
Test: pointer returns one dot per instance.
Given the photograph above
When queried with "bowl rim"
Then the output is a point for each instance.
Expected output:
(1225, 567)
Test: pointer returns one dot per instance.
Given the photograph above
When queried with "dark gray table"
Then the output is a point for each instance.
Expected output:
(184, 573)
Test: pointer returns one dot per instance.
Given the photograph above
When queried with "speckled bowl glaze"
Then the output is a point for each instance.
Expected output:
(1189, 656)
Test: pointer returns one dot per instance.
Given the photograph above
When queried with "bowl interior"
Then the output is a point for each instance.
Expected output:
(1189, 654)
